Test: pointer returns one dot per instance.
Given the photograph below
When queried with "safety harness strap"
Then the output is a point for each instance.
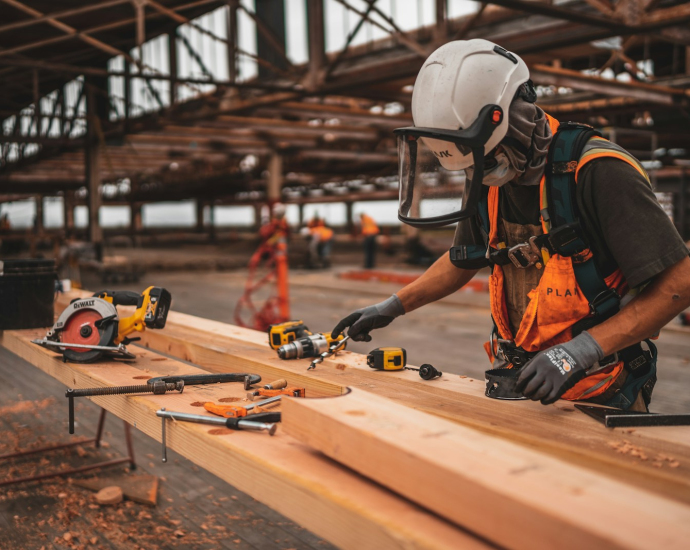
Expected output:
(566, 236)
(562, 161)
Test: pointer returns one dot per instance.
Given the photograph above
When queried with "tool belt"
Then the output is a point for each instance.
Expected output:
(500, 383)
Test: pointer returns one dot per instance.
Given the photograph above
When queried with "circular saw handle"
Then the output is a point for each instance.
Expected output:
(121, 297)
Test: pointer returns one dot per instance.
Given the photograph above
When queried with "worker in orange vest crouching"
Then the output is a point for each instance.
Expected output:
(585, 265)
(369, 231)
(320, 243)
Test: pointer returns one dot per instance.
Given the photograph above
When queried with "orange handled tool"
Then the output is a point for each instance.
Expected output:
(227, 411)
(292, 391)
(238, 411)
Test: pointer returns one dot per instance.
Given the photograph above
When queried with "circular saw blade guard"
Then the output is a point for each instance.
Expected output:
(79, 324)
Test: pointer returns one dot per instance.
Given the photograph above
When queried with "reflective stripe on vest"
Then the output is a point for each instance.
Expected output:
(557, 302)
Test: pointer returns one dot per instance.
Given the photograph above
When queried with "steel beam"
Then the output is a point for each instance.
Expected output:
(61, 14)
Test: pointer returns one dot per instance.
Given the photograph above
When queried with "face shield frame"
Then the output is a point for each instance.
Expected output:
(473, 138)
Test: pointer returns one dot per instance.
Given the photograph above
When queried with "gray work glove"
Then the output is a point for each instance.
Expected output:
(555, 370)
(368, 318)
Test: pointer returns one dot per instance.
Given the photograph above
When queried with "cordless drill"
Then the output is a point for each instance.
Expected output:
(284, 333)
(308, 346)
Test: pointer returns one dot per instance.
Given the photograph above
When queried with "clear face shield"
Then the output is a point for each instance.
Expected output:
(432, 193)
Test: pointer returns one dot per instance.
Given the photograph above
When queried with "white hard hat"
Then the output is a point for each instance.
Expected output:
(455, 83)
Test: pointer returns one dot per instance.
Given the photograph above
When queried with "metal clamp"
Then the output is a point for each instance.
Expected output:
(525, 255)
(602, 298)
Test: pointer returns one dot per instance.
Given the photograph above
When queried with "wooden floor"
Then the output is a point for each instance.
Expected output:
(196, 510)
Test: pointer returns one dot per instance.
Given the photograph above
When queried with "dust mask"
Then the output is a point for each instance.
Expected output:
(498, 170)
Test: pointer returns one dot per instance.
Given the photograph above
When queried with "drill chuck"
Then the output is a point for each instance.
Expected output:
(309, 346)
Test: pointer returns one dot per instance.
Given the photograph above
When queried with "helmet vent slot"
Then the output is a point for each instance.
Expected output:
(505, 53)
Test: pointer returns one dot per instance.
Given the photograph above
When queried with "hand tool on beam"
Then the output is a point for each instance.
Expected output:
(616, 418)
(238, 411)
(332, 350)
(276, 385)
(392, 358)
(265, 422)
(160, 385)
(279, 387)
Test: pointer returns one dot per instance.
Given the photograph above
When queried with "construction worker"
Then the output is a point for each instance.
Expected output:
(586, 266)
(324, 240)
(320, 239)
(369, 231)
(277, 227)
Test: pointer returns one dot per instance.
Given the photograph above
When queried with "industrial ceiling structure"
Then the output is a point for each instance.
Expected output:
(320, 130)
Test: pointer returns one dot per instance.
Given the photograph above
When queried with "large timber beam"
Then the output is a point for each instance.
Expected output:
(320, 495)
(480, 482)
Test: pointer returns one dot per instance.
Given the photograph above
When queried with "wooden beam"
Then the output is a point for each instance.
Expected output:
(274, 186)
(313, 491)
(558, 430)
(93, 168)
(654, 93)
(516, 497)
(317, 42)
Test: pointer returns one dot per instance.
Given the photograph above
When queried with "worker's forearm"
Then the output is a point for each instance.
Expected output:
(437, 282)
(646, 314)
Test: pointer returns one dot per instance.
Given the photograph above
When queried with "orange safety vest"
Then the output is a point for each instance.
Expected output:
(325, 233)
(557, 302)
(369, 226)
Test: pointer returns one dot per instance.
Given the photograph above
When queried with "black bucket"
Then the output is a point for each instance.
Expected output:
(27, 293)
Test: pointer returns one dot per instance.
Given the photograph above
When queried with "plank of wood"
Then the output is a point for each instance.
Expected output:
(656, 459)
(331, 501)
(511, 495)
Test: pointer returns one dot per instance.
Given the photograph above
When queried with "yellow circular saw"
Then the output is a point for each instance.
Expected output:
(91, 328)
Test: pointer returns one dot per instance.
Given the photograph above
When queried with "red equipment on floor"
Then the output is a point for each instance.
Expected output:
(268, 272)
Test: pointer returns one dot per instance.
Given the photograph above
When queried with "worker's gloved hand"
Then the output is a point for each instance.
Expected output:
(368, 318)
(554, 371)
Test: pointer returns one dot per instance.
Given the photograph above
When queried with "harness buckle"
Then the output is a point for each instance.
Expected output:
(512, 354)
(527, 254)
(599, 304)
(566, 240)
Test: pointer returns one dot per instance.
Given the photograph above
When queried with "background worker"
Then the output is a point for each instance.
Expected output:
(369, 231)
(324, 235)
(477, 101)
(320, 239)
(277, 228)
